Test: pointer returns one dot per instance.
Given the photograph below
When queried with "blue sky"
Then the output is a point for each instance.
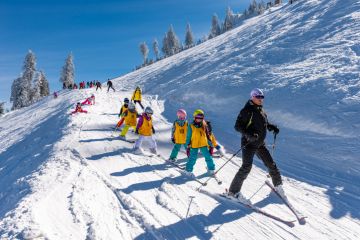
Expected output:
(103, 36)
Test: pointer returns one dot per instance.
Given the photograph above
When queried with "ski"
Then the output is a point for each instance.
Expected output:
(223, 196)
(182, 170)
(127, 140)
(298, 215)
(175, 164)
(219, 182)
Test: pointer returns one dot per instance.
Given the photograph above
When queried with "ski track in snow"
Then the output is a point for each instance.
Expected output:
(69, 177)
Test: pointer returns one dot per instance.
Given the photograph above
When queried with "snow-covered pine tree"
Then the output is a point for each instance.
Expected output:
(261, 7)
(189, 38)
(19, 95)
(165, 46)
(156, 48)
(229, 20)
(215, 27)
(144, 51)
(44, 85)
(67, 73)
(2, 108)
(28, 75)
(173, 41)
(253, 8)
(35, 90)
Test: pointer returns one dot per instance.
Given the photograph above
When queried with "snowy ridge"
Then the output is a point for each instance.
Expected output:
(67, 177)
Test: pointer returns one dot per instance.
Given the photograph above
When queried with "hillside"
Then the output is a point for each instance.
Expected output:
(69, 177)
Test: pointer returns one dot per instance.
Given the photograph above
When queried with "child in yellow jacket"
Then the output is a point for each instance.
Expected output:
(178, 133)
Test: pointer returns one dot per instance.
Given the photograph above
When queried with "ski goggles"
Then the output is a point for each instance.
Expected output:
(259, 96)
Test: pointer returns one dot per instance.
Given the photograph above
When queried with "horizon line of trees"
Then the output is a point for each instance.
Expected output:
(32, 84)
(171, 44)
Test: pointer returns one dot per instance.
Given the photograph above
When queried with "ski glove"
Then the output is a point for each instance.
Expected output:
(273, 128)
(137, 131)
(153, 130)
(173, 140)
(252, 138)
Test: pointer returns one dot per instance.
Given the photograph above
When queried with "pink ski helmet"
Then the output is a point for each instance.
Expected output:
(181, 114)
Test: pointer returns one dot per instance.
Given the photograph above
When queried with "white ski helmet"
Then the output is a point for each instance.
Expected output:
(256, 93)
(131, 106)
(148, 110)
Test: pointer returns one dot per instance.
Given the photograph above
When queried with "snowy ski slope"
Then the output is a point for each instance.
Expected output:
(69, 177)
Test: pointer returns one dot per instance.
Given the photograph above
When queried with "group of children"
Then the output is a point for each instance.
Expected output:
(194, 137)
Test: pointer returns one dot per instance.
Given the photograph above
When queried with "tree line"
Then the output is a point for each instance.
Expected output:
(171, 44)
(32, 84)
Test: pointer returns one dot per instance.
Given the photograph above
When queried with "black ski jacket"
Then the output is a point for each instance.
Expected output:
(252, 119)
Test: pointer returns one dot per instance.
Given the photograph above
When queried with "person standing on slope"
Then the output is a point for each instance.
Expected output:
(252, 123)
(98, 85)
(136, 97)
(145, 129)
(110, 85)
(198, 139)
(178, 133)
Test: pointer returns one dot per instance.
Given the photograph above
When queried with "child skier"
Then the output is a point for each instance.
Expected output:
(123, 108)
(214, 143)
(130, 115)
(198, 139)
(78, 109)
(89, 100)
(136, 97)
(146, 130)
(178, 133)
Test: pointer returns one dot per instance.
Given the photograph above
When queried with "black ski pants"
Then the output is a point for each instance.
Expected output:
(247, 157)
(110, 86)
(139, 102)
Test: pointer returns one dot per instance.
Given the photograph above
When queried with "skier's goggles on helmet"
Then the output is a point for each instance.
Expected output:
(259, 96)
(201, 117)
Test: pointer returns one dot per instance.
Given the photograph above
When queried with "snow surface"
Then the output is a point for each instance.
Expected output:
(70, 177)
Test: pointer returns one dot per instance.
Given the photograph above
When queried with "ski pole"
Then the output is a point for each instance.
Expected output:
(223, 165)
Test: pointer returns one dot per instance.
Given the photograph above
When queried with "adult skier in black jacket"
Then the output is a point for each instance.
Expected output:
(252, 123)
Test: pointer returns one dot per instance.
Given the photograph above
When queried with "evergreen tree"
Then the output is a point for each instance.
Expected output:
(44, 85)
(28, 75)
(2, 108)
(67, 74)
(229, 20)
(261, 7)
(173, 41)
(189, 38)
(215, 27)
(144, 51)
(165, 46)
(156, 48)
(19, 95)
(278, 2)
(253, 8)
(35, 91)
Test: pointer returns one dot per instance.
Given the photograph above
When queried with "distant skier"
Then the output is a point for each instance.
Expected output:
(55, 94)
(89, 100)
(145, 129)
(198, 139)
(252, 123)
(98, 85)
(136, 97)
(123, 108)
(130, 115)
(214, 143)
(110, 85)
(178, 133)
(78, 109)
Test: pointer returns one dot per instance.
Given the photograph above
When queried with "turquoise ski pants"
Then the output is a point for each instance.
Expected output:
(176, 150)
(193, 157)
